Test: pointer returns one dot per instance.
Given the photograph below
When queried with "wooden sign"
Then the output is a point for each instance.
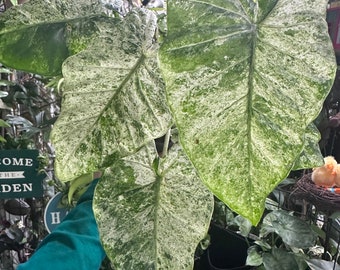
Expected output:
(19, 177)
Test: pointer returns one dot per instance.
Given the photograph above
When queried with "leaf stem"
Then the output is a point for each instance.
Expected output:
(166, 144)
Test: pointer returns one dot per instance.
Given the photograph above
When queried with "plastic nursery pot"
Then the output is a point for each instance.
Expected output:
(227, 251)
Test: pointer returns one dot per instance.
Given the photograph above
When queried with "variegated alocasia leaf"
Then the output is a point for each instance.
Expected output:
(311, 154)
(150, 215)
(40, 34)
(114, 97)
(244, 80)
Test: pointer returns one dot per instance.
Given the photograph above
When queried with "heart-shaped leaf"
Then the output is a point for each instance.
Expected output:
(150, 215)
(114, 97)
(280, 259)
(244, 80)
(39, 35)
(293, 231)
(254, 257)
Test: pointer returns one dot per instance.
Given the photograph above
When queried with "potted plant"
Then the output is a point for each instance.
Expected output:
(232, 78)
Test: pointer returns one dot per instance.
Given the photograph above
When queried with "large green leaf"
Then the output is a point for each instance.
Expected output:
(293, 231)
(114, 97)
(244, 80)
(150, 215)
(39, 35)
(280, 259)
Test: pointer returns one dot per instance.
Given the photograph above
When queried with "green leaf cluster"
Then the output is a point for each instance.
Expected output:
(280, 243)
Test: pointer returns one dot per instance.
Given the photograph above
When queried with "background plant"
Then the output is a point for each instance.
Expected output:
(28, 110)
(287, 237)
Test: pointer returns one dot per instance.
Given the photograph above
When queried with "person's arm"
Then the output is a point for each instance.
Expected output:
(74, 244)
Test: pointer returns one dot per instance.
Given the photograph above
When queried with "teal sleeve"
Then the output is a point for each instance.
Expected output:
(74, 244)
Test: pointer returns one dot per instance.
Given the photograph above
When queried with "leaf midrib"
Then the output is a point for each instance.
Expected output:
(156, 216)
(250, 111)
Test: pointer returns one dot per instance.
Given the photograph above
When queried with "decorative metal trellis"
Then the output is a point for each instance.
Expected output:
(29, 108)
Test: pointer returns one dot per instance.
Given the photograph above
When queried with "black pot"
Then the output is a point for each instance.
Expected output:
(227, 251)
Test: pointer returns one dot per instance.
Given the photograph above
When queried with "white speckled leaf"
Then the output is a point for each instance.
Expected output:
(244, 80)
(311, 155)
(150, 220)
(114, 100)
(40, 34)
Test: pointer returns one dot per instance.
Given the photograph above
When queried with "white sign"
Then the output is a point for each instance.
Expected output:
(12, 175)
